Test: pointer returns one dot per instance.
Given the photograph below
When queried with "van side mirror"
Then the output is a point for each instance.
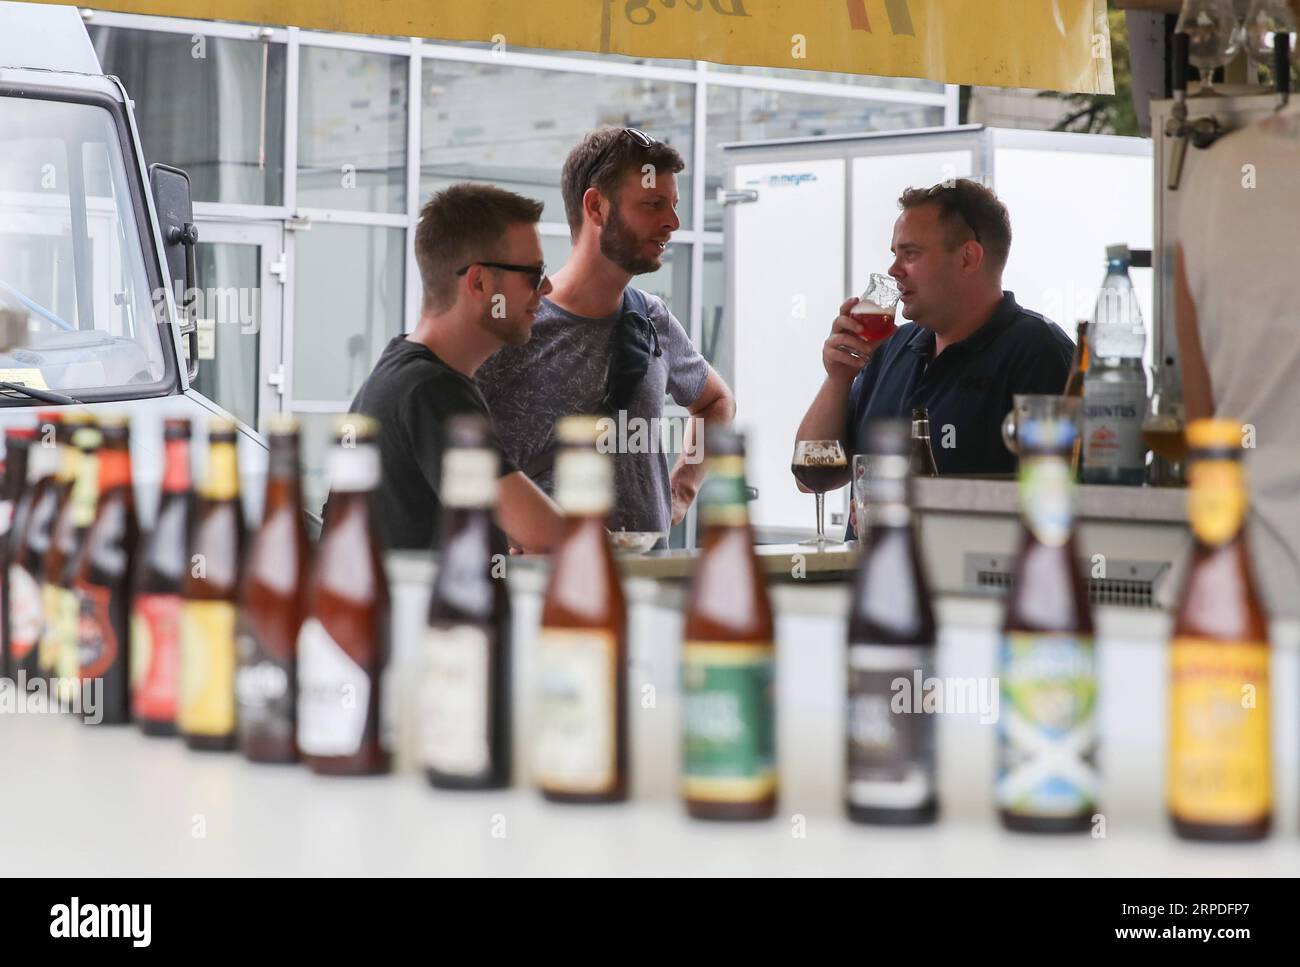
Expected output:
(171, 198)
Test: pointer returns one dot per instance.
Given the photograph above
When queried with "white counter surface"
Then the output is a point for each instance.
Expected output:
(82, 801)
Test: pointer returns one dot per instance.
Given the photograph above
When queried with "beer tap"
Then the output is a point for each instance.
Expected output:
(1176, 126)
(1202, 131)
(1282, 68)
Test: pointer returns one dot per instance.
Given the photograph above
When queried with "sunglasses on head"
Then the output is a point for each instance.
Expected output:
(538, 272)
(957, 203)
(636, 134)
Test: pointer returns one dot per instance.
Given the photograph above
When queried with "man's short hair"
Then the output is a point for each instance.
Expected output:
(601, 160)
(462, 224)
(967, 210)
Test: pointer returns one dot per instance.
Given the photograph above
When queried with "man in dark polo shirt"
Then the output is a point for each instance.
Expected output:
(969, 347)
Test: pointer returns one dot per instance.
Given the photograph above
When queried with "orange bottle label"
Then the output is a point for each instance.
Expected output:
(1220, 769)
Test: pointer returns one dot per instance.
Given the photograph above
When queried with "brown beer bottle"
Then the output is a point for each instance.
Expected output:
(923, 464)
(891, 643)
(581, 742)
(30, 541)
(17, 441)
(465, 675)
(1078, 363)
(1047, 725)
(160, 573)
(271, 607)
(1220, 783)
(60, 545)
(69, 538)
(729, 655)
(103, 571)
(206, 711)
(344, 650)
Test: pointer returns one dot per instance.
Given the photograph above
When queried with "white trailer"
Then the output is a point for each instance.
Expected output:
(808, 220)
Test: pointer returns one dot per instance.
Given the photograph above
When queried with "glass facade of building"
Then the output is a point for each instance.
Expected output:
(320, 148)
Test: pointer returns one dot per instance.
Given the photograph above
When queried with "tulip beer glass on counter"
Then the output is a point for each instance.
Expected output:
(820, 465)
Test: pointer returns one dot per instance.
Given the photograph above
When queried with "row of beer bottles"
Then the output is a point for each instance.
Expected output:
(182, 629)
(1219, 773)
(1218, 759)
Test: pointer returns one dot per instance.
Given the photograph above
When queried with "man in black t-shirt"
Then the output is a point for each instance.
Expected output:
(480, 260)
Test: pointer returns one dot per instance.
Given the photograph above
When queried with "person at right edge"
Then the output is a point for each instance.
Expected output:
(970, 346)
(1236, 294)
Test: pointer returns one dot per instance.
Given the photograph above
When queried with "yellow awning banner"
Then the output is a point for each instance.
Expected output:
(1061, 45)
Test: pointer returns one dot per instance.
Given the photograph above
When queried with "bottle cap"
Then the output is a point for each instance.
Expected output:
(1214, 435)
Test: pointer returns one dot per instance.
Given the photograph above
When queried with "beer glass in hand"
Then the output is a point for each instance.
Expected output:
(875, 310)
(820, 466)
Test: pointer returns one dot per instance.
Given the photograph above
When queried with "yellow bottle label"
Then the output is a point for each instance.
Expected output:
(1220, 768)
(68, 623)
(1216, 500)
(222, 481)
(48, 653)
(207, 704)
(85, 491)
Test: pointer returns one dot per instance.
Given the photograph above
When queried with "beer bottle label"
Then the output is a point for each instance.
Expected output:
(1046, 500)
(723, 496)
(207, 700)
(6, 516)
(67, 662)
(1047, 729)
(97, 644)
(454, 701)
(263, 691)
(584, 482)
(1112, 425)
(1219, 758)
(155, 656)
(333, 695)
(729, 721)
(890, 730)
(49, 648)
(577, 712)
(26, 612)
(1216, 500)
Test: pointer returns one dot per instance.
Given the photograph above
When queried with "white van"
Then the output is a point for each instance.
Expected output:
(96, 253)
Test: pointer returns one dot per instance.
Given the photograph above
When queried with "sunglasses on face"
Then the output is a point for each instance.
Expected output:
(956, 203)
(537, 272)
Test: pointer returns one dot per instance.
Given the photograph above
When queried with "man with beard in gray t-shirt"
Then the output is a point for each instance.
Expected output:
(601, 347)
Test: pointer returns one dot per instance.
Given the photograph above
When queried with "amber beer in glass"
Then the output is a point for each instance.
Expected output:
(464, 704)
(729, 655)
(162, 568)
(582, 652)
(891, 641)
(1047, 729)
(103, 572)
(30, 544)
(271, 607)
(1220, 782)
(206, 713)
(344, 723)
